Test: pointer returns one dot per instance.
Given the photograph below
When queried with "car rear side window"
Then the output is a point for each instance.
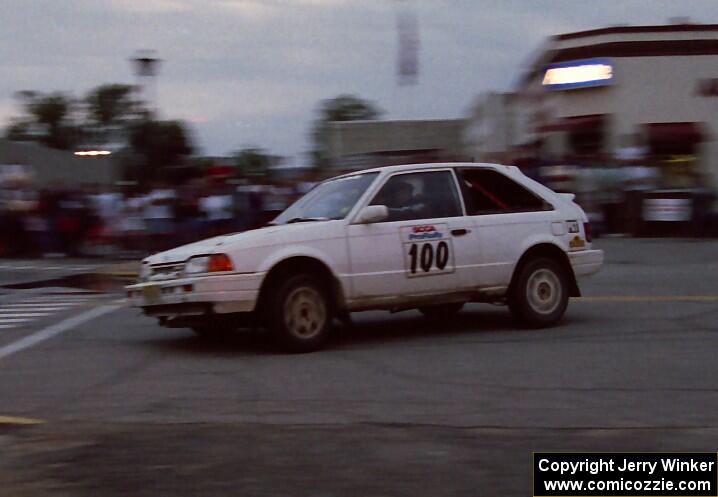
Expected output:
(424, 195)
(489, 192)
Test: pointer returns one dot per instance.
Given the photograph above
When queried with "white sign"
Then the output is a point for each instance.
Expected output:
(578, 74)
(667, 209)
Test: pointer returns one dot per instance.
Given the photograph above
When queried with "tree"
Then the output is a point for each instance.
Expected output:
(159, 145)
(254, 161)
(109, 109)
(341, 108)
(48, 118)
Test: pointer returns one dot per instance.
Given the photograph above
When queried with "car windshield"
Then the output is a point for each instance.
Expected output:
(332, 199)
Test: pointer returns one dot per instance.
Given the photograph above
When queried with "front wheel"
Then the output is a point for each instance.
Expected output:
(539, 296)
(301, 314)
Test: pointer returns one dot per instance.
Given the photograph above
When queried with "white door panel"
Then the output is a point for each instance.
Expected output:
(410, 257)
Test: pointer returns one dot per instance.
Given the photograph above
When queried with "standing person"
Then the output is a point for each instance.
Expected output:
(69, 221)
(132, 225)
(17, 202)
(636, 178)
(159, 216)
(256, 207)
(188, 217)
(217, 208)
(107, 205)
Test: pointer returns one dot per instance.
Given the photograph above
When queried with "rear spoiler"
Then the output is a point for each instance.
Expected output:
(568, 196)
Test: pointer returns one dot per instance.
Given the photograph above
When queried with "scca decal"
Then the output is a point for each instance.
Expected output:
(426, 232)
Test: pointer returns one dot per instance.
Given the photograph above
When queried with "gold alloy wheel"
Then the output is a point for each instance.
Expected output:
(305, 312)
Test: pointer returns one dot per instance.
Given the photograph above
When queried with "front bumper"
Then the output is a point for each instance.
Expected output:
(193, 296)
(586, 262)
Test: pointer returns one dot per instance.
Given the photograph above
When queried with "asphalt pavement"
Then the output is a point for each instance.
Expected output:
(96, 399)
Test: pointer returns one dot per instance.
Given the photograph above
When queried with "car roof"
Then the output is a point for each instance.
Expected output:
(432, 165)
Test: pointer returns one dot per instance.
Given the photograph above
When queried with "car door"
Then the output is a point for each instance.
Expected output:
(420, 248)
(503, 215)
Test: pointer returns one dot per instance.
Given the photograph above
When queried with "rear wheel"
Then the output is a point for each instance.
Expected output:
(301, 314)
(441, 311)
(540, 293)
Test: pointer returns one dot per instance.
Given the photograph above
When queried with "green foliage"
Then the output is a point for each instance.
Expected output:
(112, 104)
(159, 146)
(109, 114)
(48, 118)
(341, 108)
(254, 162)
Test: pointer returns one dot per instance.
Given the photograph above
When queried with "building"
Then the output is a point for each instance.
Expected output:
(498, 127)
(363, 144)
(653, 88)
(50, 166)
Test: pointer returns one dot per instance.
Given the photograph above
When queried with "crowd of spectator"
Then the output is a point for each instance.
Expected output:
(611, 188)
(128, 220)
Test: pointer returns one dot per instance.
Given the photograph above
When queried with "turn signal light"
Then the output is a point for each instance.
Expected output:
(219, 262)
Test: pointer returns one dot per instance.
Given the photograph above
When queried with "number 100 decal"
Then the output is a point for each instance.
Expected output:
(427, 250)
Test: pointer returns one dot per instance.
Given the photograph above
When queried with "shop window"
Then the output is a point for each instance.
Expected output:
(489, 192)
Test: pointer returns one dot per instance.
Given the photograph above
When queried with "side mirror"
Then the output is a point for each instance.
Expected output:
(373, 214)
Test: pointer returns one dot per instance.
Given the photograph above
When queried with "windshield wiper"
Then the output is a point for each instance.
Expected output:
(306, 219)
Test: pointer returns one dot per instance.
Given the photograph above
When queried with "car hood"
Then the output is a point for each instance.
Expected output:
(270, 235)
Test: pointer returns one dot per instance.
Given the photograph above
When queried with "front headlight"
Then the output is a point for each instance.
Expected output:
(196, 265)
(208, 264)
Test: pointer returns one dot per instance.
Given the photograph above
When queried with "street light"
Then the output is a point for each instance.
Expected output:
(146, 65)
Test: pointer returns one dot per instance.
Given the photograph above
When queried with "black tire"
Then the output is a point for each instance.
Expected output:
(539, 296)
(300, 314)
(441, 311)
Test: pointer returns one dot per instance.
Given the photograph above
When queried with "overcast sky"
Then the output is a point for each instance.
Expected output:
(251, 72)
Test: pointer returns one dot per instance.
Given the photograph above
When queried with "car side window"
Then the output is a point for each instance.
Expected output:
(489, 192)
(423, 195)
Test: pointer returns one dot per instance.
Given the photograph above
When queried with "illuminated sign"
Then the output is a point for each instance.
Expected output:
(578, 74)
(92, 153)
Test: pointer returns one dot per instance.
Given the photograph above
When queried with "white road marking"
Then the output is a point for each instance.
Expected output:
(36, 307)
(26, 267)
(13, 315)
(71, 301)
(4, 314)
(56, 329)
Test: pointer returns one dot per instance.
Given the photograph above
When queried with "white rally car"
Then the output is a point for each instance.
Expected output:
(430, 237)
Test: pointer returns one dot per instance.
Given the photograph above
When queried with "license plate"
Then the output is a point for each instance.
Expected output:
(151, 293)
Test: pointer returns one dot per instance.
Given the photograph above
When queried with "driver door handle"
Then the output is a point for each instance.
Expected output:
(459, 232)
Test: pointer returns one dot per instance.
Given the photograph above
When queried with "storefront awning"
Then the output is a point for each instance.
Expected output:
(591, 122)
(685, 133)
